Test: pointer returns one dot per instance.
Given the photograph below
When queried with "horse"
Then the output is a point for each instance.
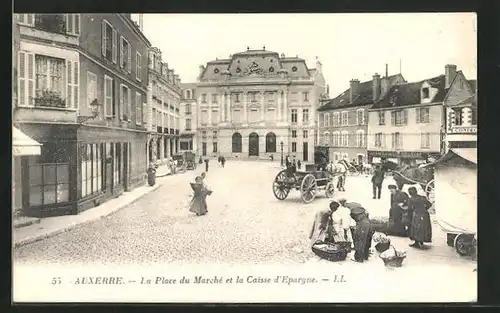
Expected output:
(406, 175)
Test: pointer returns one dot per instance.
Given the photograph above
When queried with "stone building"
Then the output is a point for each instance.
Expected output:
(343, 121)
(163, 109)
(256, 104)
(189, 118)
(82, 85)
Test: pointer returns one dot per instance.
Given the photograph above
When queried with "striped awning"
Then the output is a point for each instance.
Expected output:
(22, 144)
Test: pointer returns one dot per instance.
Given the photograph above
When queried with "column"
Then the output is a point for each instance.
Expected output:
(245, 109)
(229, 109)
(262, 106)
(209, 95)
(223, 107)
(168, 148)
(278, 105)
(285, 115)
(162, 149)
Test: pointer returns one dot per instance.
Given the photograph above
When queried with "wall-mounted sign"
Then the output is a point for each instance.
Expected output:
(402, 154)
(463, 130)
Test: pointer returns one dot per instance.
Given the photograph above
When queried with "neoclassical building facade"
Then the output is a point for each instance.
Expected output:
(256, 103)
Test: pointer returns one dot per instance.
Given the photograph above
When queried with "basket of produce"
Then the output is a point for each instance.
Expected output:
(382, 242)
(380, 225)
(393, 257)
(333, 252)
(345, 245)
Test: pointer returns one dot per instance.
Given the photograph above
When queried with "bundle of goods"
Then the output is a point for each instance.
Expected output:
(331, 251)
(393, 257)
(380, 225)
(382, 242)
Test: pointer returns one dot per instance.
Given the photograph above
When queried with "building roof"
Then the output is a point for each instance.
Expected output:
(409, 93)
(473, 84)
(188, 86)
(469, 154)
(364, 96)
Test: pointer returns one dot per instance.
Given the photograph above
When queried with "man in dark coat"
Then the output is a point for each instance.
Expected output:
(363, 234)
(399, 202)
(421, 227)
(377, 180)
(298, 164)
(222, 161)
(206, 164)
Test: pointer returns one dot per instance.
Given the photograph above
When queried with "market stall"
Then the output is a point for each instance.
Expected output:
(456, 198)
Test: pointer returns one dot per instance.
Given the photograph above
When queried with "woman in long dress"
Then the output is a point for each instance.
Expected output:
(362, 235)
(198, 203)
(421, 227)
(322, 226)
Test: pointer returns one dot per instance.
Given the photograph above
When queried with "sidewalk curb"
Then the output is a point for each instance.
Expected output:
(64, 229)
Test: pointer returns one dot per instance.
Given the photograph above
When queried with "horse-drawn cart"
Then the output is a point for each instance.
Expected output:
(308, 183)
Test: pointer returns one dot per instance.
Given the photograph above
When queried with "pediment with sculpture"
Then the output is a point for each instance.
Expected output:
(253, 69)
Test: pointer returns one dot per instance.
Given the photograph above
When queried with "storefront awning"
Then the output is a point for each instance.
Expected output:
(22, 144)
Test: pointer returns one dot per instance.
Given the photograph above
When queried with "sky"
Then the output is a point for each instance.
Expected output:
(349, 46)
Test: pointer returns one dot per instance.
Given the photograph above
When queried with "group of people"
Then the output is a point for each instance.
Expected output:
(292, 163)
(221, 160)
(344, 222)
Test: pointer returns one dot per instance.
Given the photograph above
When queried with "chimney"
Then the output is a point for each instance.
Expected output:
(386, 70)
(141, 22)
(353, 91)
(376, 87)
(450, 71)
(328, 91)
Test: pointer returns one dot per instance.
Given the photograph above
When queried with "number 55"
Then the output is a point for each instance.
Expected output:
(56, 281)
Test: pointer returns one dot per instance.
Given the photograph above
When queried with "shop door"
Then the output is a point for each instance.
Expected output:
(126, 151)
(360, 159)
(305, 151)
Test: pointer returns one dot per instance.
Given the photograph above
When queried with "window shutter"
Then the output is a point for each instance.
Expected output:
(76, 82)
(21, 18)
(114, 48)
(427, 115)
(129, 104)
(77, 23)
(417, 115)
(144, 112)
(393, 118)
(22, 92)
(103, 38)
(129, 61)
(30, 61)
(69, 23)
(121, 52)
(120, 107)
(30, 19)
(405, 117)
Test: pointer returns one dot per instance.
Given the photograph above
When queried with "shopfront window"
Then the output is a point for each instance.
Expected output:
(91, 169)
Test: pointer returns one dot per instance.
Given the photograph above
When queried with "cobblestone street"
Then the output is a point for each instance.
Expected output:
(245, 224)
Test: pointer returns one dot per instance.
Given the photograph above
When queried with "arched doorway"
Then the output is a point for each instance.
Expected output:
(271, 143)
(253, 144)
(236, 143)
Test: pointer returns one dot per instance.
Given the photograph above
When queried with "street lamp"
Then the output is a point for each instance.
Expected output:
(281, 144)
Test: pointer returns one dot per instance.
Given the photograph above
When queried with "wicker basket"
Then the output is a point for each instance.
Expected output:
(334, 253)
(396, 261)
(382, 246)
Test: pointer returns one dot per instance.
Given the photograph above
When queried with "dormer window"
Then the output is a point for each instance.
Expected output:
(425, 93)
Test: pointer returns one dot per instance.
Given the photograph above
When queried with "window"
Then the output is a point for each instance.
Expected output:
(294, 115)
(305, 134)
(28, 19)
(381, 117)
(360, 117)
(109, 42)
(125, 102)
(188, 108)
(204, 135)
(422, 115)
(305, 116)
(236, 97)
(397, 141)
(188, 124)
(253, 96)
(399, 118)
(345, 139)
(214, 98)
(336, 119)
(236, 143)
(379, 140)
(326, 119)
(336, 139)
(91, 88)
(125, 55)
(294, 147)
(91, 169)
(215, 117)
(49, 77)
(425, 93)
(204, 98)
(108, 96)
(360, 138)
(325, 138)
(425, 140)
(473, 117)
(306, 96)
(73, 24)
(117, 163)
(458, 116)
(344, 119)
(214, 145)
(138, 66)
(154, 118)
(138, 108)
(214, 135)
(49, 183)
(294, 134)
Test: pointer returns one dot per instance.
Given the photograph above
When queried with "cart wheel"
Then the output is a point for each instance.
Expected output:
(429, 190)
(329, 190)
(464, 244)
(308, 188)
(281, 188)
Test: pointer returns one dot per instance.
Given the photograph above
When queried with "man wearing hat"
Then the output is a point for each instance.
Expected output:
(363, 234)
(399, 203)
